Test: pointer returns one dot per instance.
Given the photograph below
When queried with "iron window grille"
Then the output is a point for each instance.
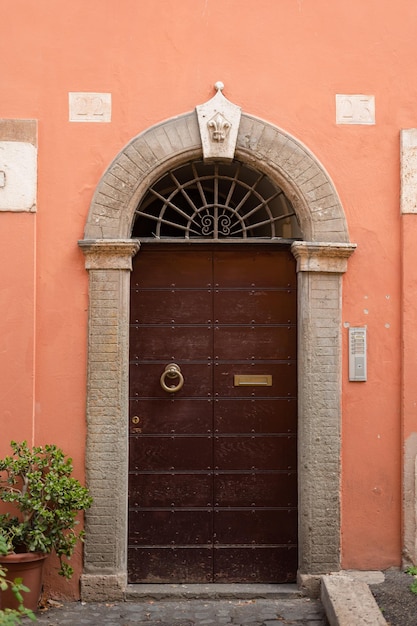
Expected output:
(215, 201)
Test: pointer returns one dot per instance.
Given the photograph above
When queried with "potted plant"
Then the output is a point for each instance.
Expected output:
(44, 500)
(12, 617)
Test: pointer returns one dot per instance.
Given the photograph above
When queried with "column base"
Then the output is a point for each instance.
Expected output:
(103, 587)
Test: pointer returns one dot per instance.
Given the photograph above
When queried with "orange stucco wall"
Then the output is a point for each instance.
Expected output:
(282, 61)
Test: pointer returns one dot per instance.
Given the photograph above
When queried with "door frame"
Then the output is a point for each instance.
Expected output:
(321, 262)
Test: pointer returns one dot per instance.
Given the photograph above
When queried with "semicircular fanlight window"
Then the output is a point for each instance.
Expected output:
(215, 201)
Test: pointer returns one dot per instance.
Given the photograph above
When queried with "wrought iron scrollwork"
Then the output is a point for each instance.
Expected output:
(214, 201)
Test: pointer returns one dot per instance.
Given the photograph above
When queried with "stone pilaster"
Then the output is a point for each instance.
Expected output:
(320, 267)
(109, 263)
(408, 205)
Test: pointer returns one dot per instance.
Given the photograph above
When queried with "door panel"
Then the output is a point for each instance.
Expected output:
(172, 527)
(212, 467)
(268, 563)
(145, 379)
(254, 306)
(254, 342)
(176, 269)
(263, 415)
(255, 489)
(177, 306)
(256, 452)
(185, 342)
(166, 416)
(169, 489)
(169, 453)
(170, 564)
(283, 383)
(263, 526)
(251, 268)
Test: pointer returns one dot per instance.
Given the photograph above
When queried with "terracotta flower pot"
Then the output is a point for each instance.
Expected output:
(29, 567)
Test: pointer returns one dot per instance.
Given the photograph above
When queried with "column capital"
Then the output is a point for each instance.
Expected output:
(324, 256)
(105, 254)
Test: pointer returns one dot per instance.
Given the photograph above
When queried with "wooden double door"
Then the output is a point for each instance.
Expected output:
(212, 465)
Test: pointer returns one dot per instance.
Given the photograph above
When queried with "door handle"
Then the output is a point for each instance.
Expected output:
(172, 371)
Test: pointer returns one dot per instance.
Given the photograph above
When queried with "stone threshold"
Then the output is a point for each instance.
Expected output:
(212, 591)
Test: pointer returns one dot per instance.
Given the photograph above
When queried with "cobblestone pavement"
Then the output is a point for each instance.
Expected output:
(259, 612)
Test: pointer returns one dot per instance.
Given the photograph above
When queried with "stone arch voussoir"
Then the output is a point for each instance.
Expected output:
(281, 156)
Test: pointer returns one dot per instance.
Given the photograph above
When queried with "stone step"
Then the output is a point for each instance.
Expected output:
(212, 591)
(349, 602)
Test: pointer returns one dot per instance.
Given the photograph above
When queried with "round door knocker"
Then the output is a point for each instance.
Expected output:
(172, 371)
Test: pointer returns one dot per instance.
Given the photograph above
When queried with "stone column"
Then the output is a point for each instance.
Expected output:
(320, 267)
(109, 263)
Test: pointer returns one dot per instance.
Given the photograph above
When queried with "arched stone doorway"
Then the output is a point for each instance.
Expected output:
(321, 261)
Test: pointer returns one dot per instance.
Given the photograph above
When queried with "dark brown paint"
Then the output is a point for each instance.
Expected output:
(212, 478)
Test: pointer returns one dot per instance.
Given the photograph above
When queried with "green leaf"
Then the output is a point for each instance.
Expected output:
(44, 502)
(412, 570)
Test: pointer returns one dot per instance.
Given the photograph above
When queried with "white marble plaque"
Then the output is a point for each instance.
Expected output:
(89, 107)
(355, 109)
(18, 176)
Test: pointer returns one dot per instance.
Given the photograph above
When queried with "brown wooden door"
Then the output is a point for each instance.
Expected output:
(212, 470)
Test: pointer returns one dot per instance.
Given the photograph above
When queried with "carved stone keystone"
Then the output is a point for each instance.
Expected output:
(218, 120)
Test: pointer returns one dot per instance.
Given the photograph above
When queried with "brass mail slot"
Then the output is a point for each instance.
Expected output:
(257, 380)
